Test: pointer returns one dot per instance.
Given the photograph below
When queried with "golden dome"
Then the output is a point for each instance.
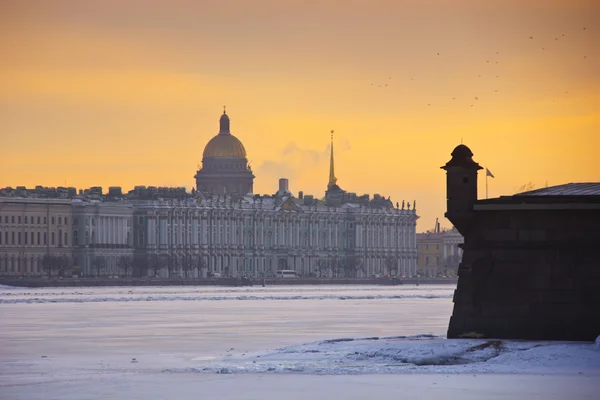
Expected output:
(224, 146)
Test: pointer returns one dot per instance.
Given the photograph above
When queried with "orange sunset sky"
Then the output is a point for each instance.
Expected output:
(124, 93)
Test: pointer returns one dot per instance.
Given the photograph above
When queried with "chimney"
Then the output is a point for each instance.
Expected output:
(283, 186)
(301, 195)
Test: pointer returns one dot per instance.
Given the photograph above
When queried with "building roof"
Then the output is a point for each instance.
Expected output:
(560, 197)
(568, 189)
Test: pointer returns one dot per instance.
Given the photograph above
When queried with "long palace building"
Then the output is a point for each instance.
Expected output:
(219, 228)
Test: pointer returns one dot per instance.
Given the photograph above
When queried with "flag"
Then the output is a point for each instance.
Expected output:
(488, 173)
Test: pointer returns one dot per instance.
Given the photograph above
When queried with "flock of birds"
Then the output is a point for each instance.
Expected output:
(387, 83)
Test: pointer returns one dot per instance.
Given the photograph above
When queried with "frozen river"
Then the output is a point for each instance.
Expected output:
(155, 343)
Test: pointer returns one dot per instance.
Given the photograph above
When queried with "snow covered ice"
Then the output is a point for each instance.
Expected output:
(297, 342)
(415, 354)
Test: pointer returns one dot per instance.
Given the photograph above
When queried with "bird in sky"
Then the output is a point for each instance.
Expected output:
(530, 37)
(476, 98)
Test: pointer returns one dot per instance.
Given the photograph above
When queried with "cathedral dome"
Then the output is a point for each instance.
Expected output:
(224, 144)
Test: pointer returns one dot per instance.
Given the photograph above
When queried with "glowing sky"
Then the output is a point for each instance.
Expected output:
(124, 93)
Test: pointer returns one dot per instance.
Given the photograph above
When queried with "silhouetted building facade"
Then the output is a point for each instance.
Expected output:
(530, 262)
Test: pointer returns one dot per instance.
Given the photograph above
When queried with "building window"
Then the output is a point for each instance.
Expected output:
(75, 221)
(66, 239)
(426, 260)
(19, 237)
(12, 219)
(6, 219)
(0, 237)
(6, 238)
(26, 219)
(45, 238)
(53, 220)
(32, 237)
(39, 241)
(437, 246)
(426, 247)
(53, 241)
(26, 238)
(19, 219)
(93, 222)
(66, 221)
(60, 220)
(39, 220)
(141, 239)
(141, 220)
(75, 239)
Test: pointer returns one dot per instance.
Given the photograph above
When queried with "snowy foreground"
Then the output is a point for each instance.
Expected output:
(416, 354)
(220, 343)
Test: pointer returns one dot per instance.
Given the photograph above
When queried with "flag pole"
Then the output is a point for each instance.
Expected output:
(486, 182)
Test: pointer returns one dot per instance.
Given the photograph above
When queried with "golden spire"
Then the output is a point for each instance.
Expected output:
(332, 178)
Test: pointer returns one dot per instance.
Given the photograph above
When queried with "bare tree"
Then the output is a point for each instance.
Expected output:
(140, 266)
(187, 264)
(350, 265)
(323, 265)
(391, 265)
(162, 261)
(173, 265)
(99, 264)
(201, 265)
(61, 263)
(451, 264)
(125, 263)
(47, 264)
(154, 264)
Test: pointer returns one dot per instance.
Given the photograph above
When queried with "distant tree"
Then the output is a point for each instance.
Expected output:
(140, 266)
(99, 264)
(47, 264)
(323, 266)
(202, 265)
(188, 264)
(61, 264)
(173, 265)
(162, 262)
(154, 264)
(391, 265)
(125, 263)
(451, 264)
(350, 266)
